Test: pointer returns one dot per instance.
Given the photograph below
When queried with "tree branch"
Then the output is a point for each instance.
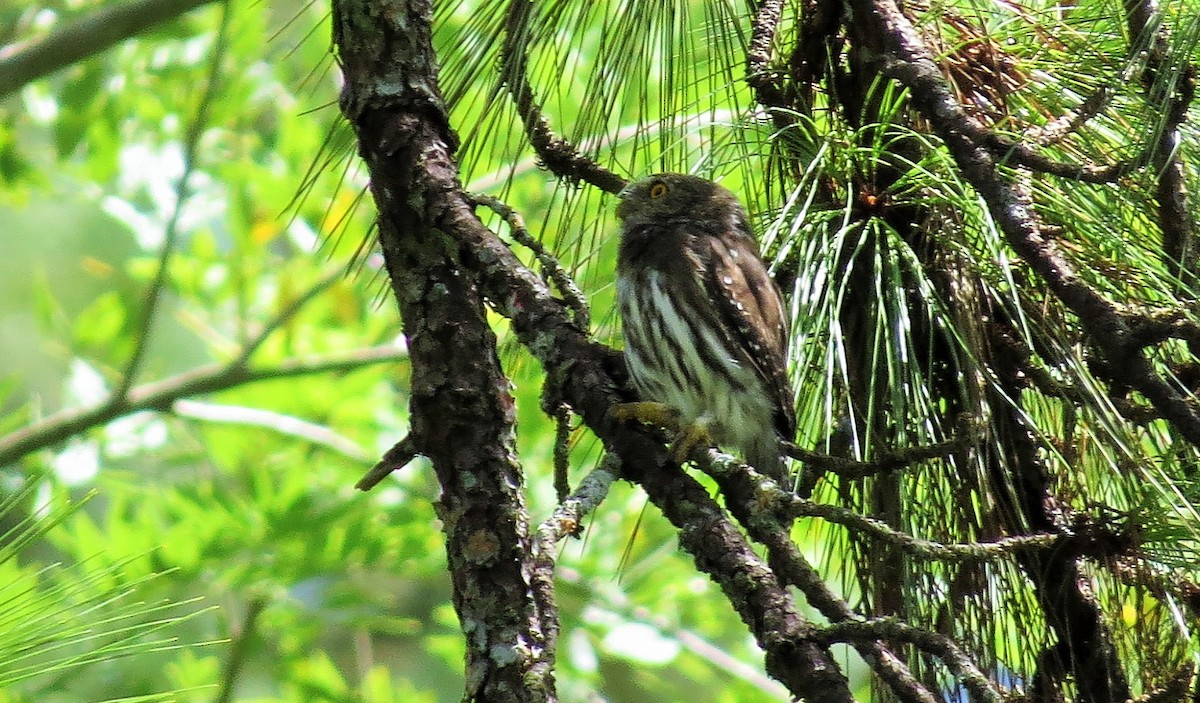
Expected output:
(161, 395)
(566, 521)
(979, 551)
(199, 123)
(85, 36)
(570, 290)
(1144, 20)
(556, 153)
(743, 491)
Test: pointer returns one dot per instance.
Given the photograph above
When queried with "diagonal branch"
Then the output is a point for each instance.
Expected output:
(588, 376)
(157, 287)
(742, 488)
(566, 520)
(556, 153)
(946, 649)
(161, 395)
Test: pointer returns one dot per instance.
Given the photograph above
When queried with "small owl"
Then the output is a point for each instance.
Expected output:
(704, 326)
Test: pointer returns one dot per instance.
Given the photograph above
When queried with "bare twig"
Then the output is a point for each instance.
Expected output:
(562, 450)
(393, 459)
(160, 395)
(978, 551)
(569, 515)
(890, 461)
(575, 297)
(869, 631)
(240, 647)
(1014, 153)
(565, 521)
(286, 313)
(191, 144)
(1057, 129)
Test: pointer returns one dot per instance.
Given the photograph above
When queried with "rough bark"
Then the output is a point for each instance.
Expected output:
(461, 409)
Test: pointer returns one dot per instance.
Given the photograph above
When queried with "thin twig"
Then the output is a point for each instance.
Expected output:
(562, 450)
(893, 460)
(171, 233)
(1014, 153)
(575, 297)
(1057, 129)
(86, 36)
(286, 313)
(565, 522)
(239, 648)
(569, 515)
(393, 459)
(968, 552)
(870, 631)
(160, 395)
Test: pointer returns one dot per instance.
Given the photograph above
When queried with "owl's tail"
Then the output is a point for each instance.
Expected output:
(766, 457)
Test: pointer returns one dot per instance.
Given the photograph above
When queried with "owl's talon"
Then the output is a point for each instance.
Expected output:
(651, 413)
(687, 439)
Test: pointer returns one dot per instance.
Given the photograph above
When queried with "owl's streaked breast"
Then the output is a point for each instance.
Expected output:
(665, 347)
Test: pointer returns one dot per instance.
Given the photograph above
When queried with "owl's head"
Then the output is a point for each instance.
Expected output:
(662, 197)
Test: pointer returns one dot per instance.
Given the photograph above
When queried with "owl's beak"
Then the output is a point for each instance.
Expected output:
(624, 192)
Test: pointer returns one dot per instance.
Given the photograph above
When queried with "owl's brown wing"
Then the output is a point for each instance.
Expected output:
(751, 309)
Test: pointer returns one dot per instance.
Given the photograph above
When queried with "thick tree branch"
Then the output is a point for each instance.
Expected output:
(589, 377)
(767, 84)
(461, 409)
(762, 601)
(1020, 480)
(84, 37)
(418, 168)
(755, 501)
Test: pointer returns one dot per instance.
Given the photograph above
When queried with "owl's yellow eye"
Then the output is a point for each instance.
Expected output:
(658, 190)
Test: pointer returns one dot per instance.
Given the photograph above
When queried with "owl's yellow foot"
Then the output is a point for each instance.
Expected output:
(658, 414)
(687, 437)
